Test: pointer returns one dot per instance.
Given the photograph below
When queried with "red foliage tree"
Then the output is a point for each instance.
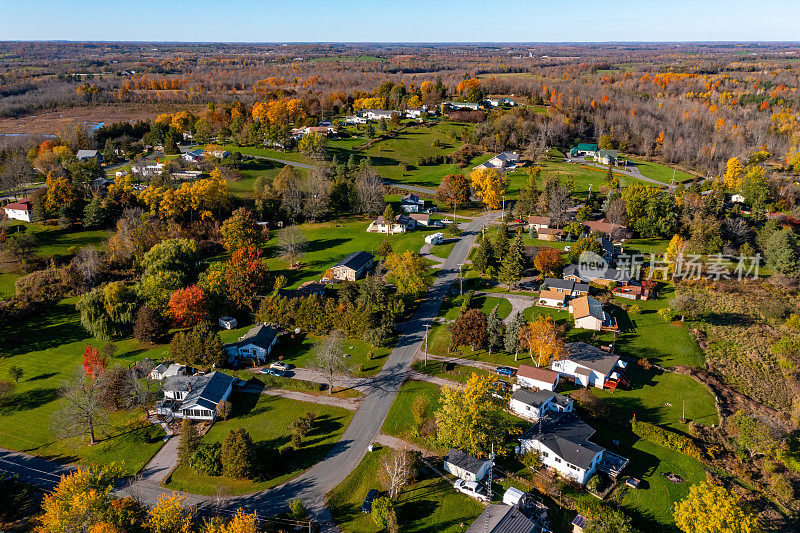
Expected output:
(245, 274)
(188, 307)
(94, 364)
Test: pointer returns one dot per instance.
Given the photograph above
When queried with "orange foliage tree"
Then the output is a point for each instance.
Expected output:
(94, 364)
(188, 307)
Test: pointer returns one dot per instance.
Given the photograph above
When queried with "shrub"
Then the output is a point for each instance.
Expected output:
(298, 509)
(594, 484)
(634, 310)
(666, 314)
(207, 459)
(383, 513)
(666, 438)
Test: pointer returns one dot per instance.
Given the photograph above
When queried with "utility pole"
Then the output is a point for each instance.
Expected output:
(461, 280)
(427, 327)
(504, 208)
(491, 473)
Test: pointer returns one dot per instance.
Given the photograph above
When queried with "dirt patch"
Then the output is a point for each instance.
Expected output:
(51, 122)
(730, 401)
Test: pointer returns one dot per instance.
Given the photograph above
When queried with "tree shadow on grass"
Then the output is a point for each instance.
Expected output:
(25, 401)
(41, 377)
(54, 327)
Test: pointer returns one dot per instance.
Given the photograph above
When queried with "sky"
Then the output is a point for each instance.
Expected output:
(395, 21)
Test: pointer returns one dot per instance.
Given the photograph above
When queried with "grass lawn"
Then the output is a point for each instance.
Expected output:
(662, 173)
(266, 152)
(7, 281)
(398, 422)
(330, 242)
(55, 242)
(49, 347)
(251, 170)
(460, 373)
(429, 504)
(267, 419)
(299, 351)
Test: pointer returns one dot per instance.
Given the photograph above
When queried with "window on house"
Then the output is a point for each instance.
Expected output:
(558, 459)
(572, 466)
(545, 454)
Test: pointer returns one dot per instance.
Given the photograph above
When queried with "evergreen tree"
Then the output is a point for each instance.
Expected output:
(501, 243)
(495, 331)
(512, 334)
(238, 454)
(190, 441)
(513, 266)
(483, 260)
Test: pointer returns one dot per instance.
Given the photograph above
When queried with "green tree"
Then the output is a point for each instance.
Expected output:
(713, 509)
(240, 230)
(782, 252)
(513, 266)
(199, 346)
(108, 312)
(511, 341)
(238, 454)
(611, 521)
(190, 441)
(168, 266)
(484, 258)
(15, 373)
(409, 272)
(495, 331)
(384, 514)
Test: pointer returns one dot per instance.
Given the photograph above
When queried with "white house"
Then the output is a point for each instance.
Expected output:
(164, 371)
(571, 288)
(354, 120)
(536, 377)
(21, 210)
(257, 343)
(401, 224)
(590, 366)
(351, 267)
(463, 105)
(588, 313)
(502, 162)
(535, 404)
(414, 112)
(552, 298)
(195, 397)
(411, 203)
(146, 171)
(193, 156)
(377, 114)
(538, 223)
(737, 198)
(422, 219)
(606, 157)
(562, 441)
(465, 466)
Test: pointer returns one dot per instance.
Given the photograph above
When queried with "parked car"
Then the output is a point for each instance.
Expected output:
(506, 371)
(568, 248)
(447, 221)
(279, 365)
(433, 209)
(471, 489)
(520, 221)
(271, 372)
(366, 507)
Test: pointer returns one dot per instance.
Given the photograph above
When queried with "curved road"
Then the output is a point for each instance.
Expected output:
(312, 485)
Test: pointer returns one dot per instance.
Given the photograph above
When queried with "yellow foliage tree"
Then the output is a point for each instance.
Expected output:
(170, 516)
(60, 192)
(540, 335)
(733, 173)
(414, 102)
(489, 186)
(712, 509)
(241, 523)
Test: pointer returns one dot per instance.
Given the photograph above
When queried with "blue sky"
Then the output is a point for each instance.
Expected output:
(395, 21)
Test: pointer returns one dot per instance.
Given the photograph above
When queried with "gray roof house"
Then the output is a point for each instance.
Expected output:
(257, 344)
(562, 441)
(194, 397)
(353, 266)
(570, 287)
(535, 404)
(465, 466)
(589, 366)
(501, 518)
(85, 155)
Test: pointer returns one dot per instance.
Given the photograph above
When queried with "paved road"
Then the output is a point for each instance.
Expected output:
(33, 470)
(519, 302)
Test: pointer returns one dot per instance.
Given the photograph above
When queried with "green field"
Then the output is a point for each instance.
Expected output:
(267, 420)
(53, 241)
(398, 422)
(662, 173)
(7, 288)
(49, 347)
(428, 504)
(330, 242)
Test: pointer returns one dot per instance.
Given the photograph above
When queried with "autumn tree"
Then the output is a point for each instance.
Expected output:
(713, 509)
(469, 329)
(329, 357)
(240, 230)
(454, 190)
(188, 307)
(82, 412)
(541, 336)
(549, 262)
(246, 274)
(168, 266)
(150, 327)
(169, 515)
(489, 186)
(409, 272)
(470, 419)
(94, 364)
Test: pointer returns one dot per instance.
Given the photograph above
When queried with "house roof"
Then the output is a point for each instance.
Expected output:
(550, 231)
(589, 147)
(464, 461)
(23, 204)
(567, 435)
(538, 220)
(602, 226)
(356, 260)
(609, 153)
(610, 274)
(204, 391)
(410, 198)
(538, 373)
(533, 398)
(306, 289)
(591, 357)
(507, 156)
(420, 216)
(86, 153)
(565, 284)
(551, 294)
(587, 306)
(501, 518)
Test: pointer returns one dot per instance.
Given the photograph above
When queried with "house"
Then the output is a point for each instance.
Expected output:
(147, 171)
(536, 377)
(195, 397)
(609, 252)
(606, 157)
(309, 288)
(220, 154)
(587, 312)
(377, 114)
(465, 466)
(602, 226)
(354, 120)
(632, 291)
(535, 404)
(497, 102)
(590, 366)
(411, 203)
(571, 288)
(193, 156)
(228, 322)
(435, 238)
(353, 266)
(737, 198)
(414, 112)
(501, 518)
(85, 155)
(602, 277)
(552, 298)
(257, 344)
(21, 210)
(502, 162)
(164, 370)
(579, 524)
(423, 219)
(463, 105)
(583, 149)
(401, 224)
(538, 223)
(562, 441)
(549, 234)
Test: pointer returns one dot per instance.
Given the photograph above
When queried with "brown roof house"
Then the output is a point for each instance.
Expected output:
(537, 377)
